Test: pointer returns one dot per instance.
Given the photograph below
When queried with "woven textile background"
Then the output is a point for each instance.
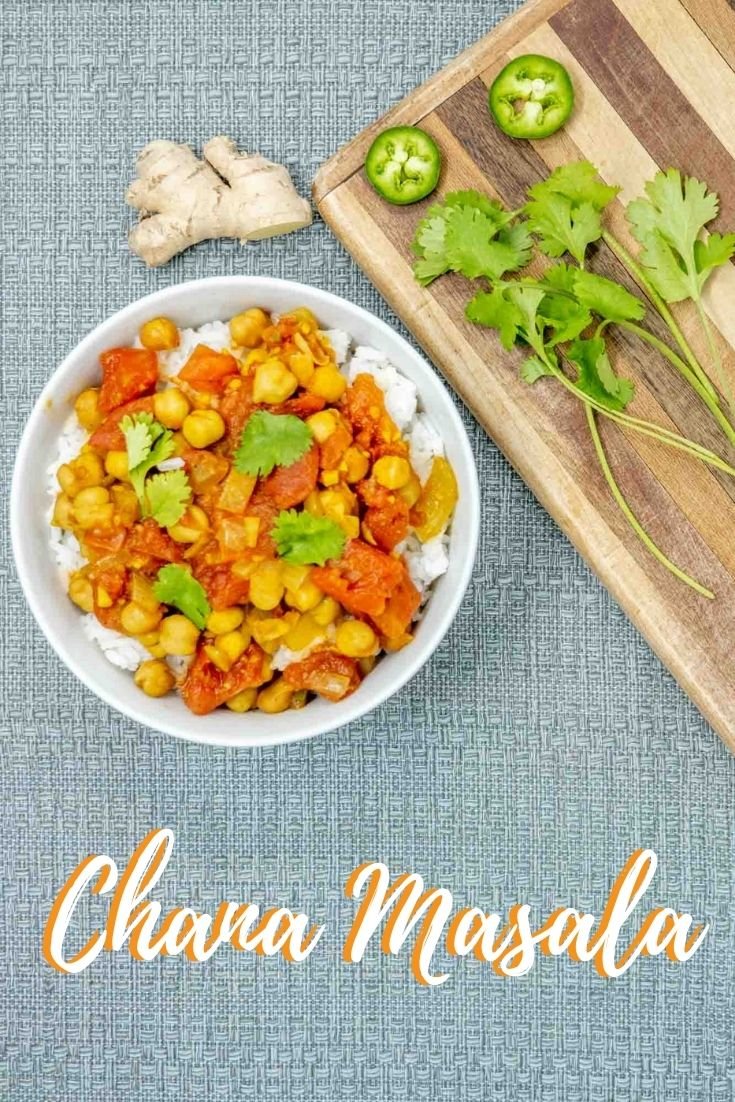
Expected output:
(540, 747)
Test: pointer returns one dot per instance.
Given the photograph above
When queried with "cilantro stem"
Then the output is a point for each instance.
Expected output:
(683, 368)
(646, 428)
(668, 318)
(715, 354)
(630, 516)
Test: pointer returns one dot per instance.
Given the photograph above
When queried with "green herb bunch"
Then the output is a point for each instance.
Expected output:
(561, 318)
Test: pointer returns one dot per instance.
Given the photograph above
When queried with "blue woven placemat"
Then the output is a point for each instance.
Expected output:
(541, 745)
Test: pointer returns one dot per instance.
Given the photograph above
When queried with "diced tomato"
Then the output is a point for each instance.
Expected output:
(386, 517)
(362, 580)
(399, 611)
(236, 406)
(303, 405)
(109, 435)
(327, 673)
(208, 370)
(205, 469)
(99, 542)
(205, 687)
(127, 373)
(289, 486)
(223, 588)
(363, 405)
(146, 538)
(335, 446)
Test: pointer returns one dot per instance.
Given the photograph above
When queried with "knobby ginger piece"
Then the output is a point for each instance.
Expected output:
(184, 200)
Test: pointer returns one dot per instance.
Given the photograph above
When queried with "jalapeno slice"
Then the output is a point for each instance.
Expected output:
(532, 97)
(403, 164)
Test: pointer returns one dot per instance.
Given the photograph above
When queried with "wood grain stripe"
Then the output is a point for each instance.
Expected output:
(717, 19)
(645, 97)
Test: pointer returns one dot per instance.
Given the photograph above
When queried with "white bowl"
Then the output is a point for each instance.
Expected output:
(191, 305)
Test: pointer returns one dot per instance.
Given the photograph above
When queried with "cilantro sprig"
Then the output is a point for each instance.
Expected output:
(305, 539)
(177, 587)
(271, 440)
(164, 496)
(561, 318)
(471, 234)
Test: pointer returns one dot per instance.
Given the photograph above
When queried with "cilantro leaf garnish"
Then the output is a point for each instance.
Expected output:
(165, 496)
(563, 226)
(608, 299)
(303, 538)
(597, 377)
(271, 440)
(564, 210)
(579, 182)
(668, 223)
(175, 586)
(470, 234)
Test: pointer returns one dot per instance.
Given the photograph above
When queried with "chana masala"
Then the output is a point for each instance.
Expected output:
(256, 503)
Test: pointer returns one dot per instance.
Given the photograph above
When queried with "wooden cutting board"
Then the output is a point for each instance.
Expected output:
(655, 87)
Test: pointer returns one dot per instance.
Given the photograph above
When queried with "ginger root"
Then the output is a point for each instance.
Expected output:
(184, 200)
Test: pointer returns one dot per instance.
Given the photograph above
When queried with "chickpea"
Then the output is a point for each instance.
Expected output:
(392, 471)
(356, 464)
(303, 634)
(328, 383)
(178, 636)
(313, 504)
(243, 701)
(356, 639)
(81, 593)
(350, 526)
(266, 586)
(225, 620)
(203, 427)
(294, 575)
(191, 527)
(326, 612)
(233, 644)
(63, 512)
(154, 677)
(273, 383)
(302, 365)
(93, 508)
(307, 596)
(247, 328)
(84, 471)
(137, 620)
(87, 409)
(160, 334)
(125, 503)
(322, 425)
(275, 697)
(116, 464)
(411, 492)
(171, 407)
(338, 503)
(268, 633)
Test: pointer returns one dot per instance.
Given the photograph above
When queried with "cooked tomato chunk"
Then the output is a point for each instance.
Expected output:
(127, 374)
(327, 673)
(109, 436)
(223, 588)
(362, 580)
(205, 687)
(386, 517)
(289, 486)
(207, 370)
(399, 610)
(147, 538)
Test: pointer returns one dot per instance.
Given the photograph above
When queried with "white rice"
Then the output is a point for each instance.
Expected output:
(425, 562)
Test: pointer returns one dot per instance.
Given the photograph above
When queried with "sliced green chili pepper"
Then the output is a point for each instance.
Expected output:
(403, 164)
(532, 97)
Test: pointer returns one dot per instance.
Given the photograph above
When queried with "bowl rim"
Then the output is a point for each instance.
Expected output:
(349, 710)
